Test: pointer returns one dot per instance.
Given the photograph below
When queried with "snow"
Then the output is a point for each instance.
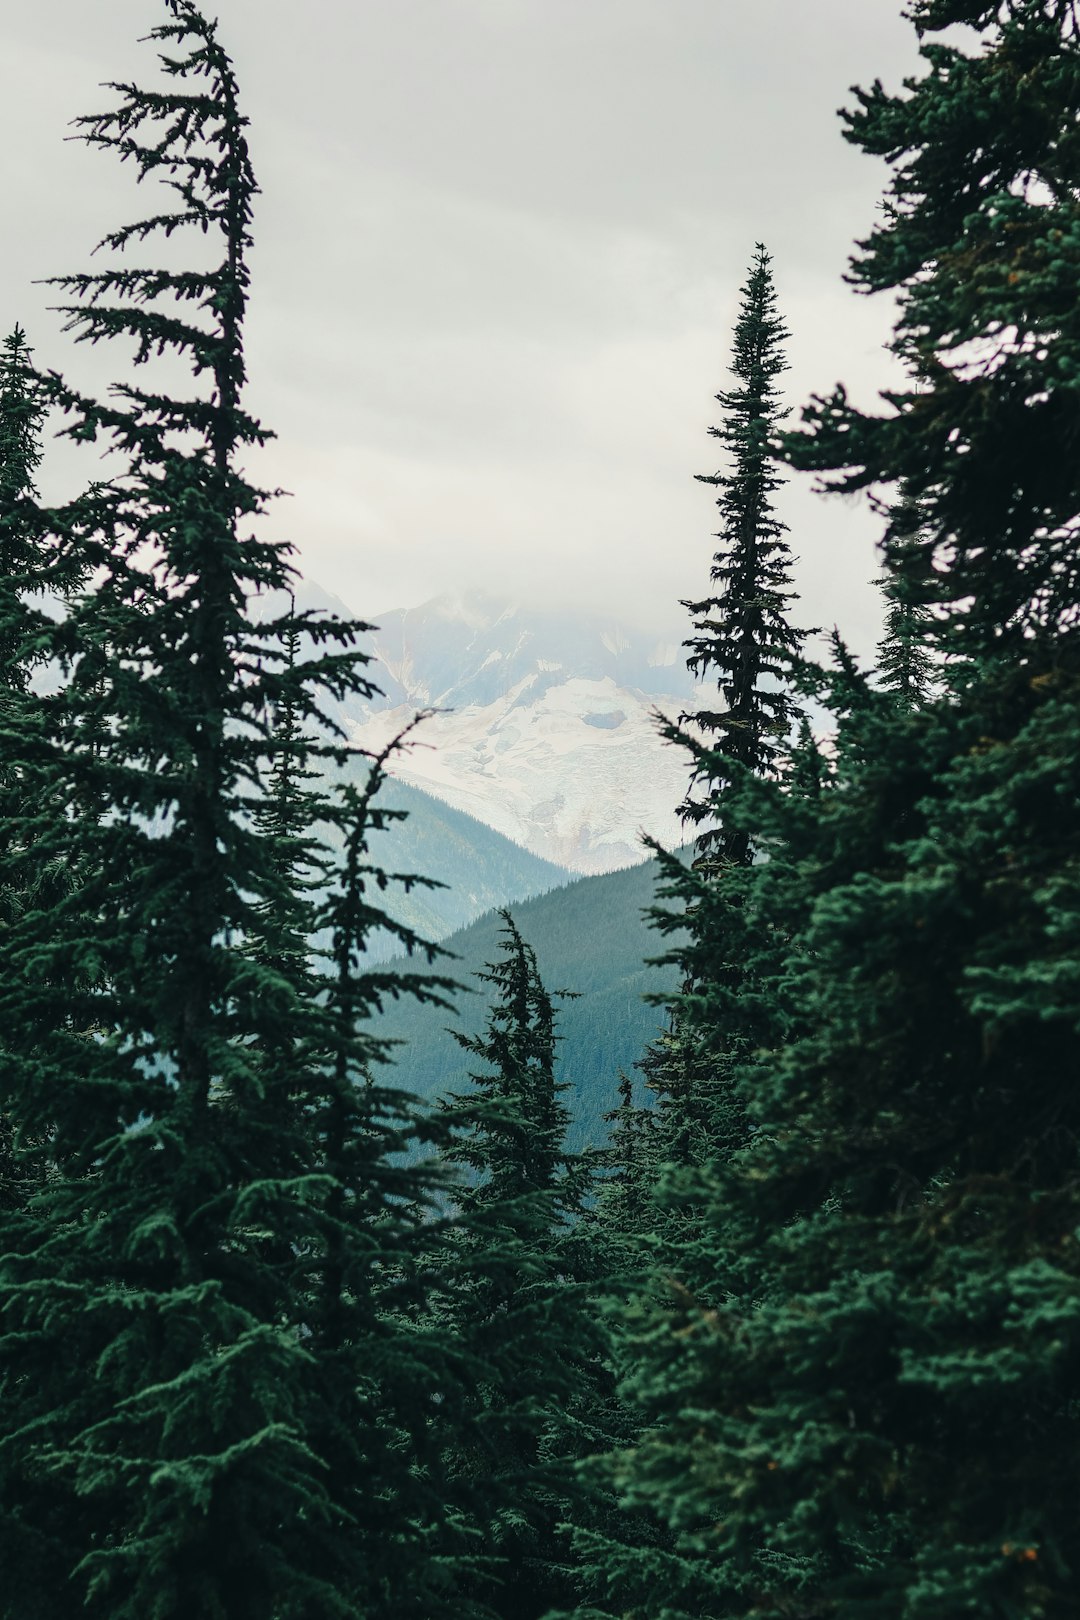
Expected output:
(569, 790)
(547, 728)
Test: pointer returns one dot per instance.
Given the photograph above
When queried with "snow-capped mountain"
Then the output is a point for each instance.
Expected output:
(545, 727)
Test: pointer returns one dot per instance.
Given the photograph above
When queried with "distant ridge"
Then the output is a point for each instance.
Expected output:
(590, 936)
(479, 867)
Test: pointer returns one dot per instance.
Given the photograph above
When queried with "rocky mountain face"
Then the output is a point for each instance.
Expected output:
(543, 727)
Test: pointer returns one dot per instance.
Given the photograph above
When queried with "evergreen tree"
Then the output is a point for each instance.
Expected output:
(623, 1204)
(744, 636)
(215, 1398)
(731, 961)
(29, 567)
(21, 413)
(904, 655)
(886, 1424)
(286, 816)
(978, 237)
(525, 1318)
(516, 1146)
(742, 632)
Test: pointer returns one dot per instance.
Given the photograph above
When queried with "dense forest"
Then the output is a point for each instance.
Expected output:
(799, 1336)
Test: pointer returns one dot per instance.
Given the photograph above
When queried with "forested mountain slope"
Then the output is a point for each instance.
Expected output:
(590, 937)
(477, 867)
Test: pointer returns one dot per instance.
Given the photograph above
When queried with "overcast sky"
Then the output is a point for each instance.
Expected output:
(498, 256)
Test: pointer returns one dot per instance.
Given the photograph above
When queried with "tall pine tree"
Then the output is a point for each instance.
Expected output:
(888, 1427)
(731, 960)
(215, 1396)
(745, 641)
(743, 637)
(526, 1318)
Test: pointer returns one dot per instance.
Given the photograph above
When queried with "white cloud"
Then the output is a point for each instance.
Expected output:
(497, 262)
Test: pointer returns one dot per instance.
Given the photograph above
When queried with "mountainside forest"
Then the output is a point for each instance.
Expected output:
(766, 1306)
(591, 937)
(476, 866)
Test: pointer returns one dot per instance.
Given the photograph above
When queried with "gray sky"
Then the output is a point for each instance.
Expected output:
(498, 259)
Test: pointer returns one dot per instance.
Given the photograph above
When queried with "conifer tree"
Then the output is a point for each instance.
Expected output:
(904, 656)
(887, 1427)
(729, 1004)
(21, 412)
(29, 567)
(286, 815)
(525, 1319)
(905, 652)
(629, 1159)
(978, 236)
(203, 1411)
(743, 636)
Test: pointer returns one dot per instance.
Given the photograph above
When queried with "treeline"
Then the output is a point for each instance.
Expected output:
(593, 935)
(804, 1339)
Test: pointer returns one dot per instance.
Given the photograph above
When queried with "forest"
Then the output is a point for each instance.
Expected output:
(798, 1336)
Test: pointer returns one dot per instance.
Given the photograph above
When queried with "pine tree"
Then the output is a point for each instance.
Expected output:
(526, 1318)
(742, 632)
(21, 413)
(215, 1398)
(731, 961)
(905, 660)
(628, 1158)
(27, 569)
(516, 1146)
(887, 1426)
(978, 235)
(286, 816)
(744, 637)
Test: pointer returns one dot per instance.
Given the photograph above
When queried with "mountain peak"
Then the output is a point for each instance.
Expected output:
(546, 723)
(545, 726)
(475, 608)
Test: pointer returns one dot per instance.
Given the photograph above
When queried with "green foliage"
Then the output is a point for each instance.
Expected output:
(980, 238)
(905, 656)
(21, 414)
(869, 1408)
(29, 565)
(516, 1146)
(592, 934)
(728, 954)
(525, 1314)
(857, 1393)
(742, 631)
(908, 1198)
(27, 796)
(724, 1009)
(216, 1383)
